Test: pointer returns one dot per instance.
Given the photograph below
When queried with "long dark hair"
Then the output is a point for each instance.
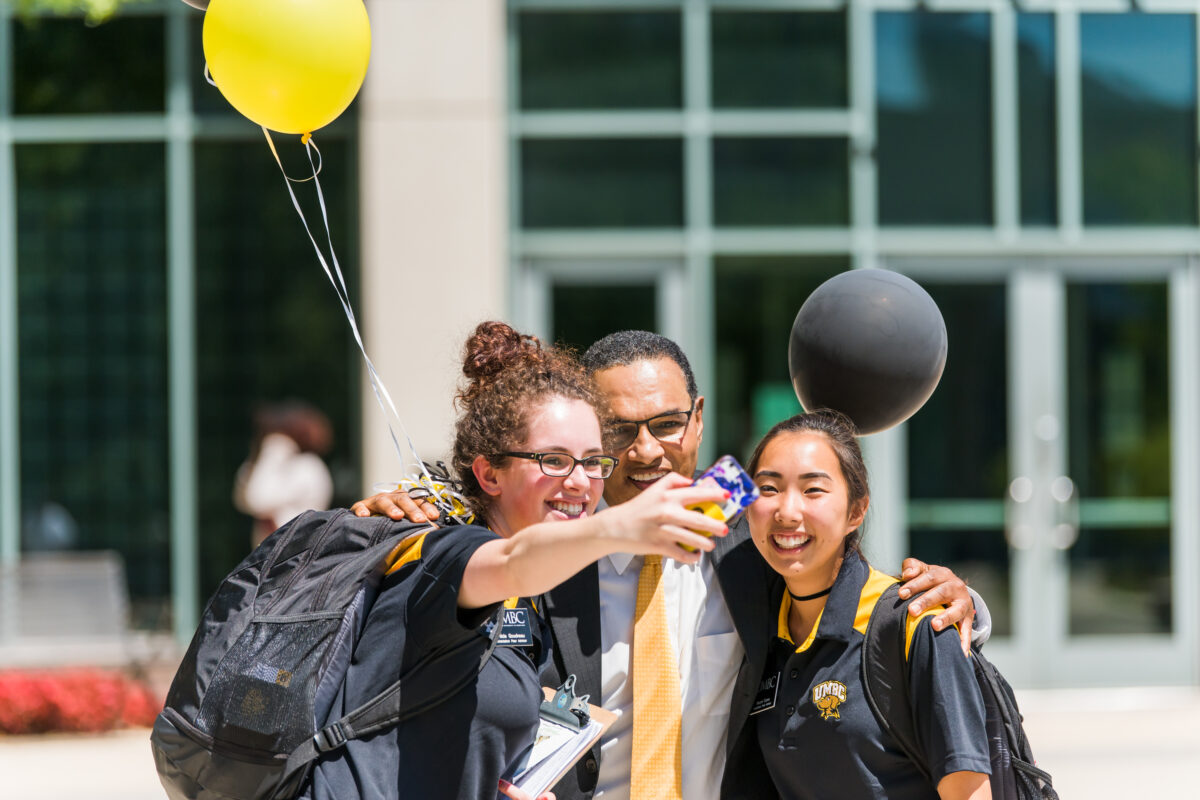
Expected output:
(843, 438)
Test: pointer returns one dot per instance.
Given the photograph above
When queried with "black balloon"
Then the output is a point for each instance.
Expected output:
(200, 4)
(869, 343)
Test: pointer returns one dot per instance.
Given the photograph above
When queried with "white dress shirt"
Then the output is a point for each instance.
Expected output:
(709, 653)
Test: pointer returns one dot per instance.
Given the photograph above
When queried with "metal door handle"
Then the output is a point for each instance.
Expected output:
(1065, 532)
(1016, 529)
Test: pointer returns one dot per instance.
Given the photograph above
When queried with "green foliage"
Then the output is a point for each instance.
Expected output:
(94, 11)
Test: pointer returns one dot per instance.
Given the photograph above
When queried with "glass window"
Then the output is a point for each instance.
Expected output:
(980, 557)
(64, 66)
(1119, 412)
(1120, 581)
(1038, 119)
(596, 183)
(600, 59)
(1120, 458)
(958, 442)
(934, 117)
(206, 98)
(584, 313)
(958, 448)
(779, 59)
(270, 327)
(91, 287)
(756, 302)
(1138, 99)
(781, 181)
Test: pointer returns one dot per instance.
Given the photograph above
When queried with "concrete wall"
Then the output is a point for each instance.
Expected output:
(434, 214)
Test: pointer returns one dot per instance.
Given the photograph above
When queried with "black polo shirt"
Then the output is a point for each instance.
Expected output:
(461, 748)
(820, 738)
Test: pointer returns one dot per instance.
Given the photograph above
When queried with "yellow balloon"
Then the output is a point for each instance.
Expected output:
(289, 65)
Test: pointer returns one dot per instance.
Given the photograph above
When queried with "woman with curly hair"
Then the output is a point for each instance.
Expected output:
(529, 455)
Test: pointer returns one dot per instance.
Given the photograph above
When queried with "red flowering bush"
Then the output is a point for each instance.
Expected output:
(73, 700)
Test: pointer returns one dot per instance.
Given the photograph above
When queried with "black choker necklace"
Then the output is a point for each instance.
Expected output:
(814, 596)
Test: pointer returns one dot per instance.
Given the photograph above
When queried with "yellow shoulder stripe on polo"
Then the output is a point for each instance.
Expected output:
(405, 552)
(785, 608)
(513, 601)
(872, 590)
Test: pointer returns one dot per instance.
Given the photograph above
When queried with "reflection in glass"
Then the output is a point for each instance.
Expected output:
(780, 181)
(1138, 99)
(934, 118)
(591, 183)
(270, 325)
(767, 59)
(1038, 124)
(980, 557)
(1120, 428)
(1120, 457)
(583, 314)
(600, 59)
(958, 442)
(65, 66)
(91, 294)
(1120, 582)
(756, 303)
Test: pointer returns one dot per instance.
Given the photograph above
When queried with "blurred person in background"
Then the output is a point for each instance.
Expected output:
(285, 473)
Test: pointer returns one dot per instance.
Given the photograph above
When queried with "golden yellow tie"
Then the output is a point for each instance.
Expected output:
(656, 772)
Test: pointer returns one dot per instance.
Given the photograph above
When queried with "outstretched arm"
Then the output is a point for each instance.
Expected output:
(539, 557)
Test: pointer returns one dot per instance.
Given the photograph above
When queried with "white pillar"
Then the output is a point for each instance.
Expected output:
(433, 214)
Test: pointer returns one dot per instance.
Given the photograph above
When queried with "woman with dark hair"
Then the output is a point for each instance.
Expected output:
(529, 455)
(285, 473)
(817, 734)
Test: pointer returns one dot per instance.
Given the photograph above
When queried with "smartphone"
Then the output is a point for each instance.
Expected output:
(730, 476)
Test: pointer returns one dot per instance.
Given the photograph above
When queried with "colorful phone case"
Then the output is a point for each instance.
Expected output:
(730, 476)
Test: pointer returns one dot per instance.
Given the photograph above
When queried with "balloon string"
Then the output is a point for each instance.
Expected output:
(339, 287)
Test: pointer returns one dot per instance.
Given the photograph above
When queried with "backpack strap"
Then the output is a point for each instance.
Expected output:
(885, 674)
(387, 708)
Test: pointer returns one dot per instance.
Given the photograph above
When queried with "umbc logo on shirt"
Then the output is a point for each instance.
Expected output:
(828, 696)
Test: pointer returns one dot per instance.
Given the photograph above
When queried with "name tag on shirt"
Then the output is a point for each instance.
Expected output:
(515, 629)
(768, 691)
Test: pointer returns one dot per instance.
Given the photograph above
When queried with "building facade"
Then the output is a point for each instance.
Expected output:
(695, 167)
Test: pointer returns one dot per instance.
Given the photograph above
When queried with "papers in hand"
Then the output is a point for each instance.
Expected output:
(557, 747)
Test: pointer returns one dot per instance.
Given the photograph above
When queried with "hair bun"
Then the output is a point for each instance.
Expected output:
(494, 347)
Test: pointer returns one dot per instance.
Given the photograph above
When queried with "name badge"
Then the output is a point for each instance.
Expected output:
(515, 630)
(768, 691)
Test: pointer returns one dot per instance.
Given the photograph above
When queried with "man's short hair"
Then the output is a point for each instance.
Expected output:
(627, 347)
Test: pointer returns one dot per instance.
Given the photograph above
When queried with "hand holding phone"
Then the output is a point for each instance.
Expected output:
(729, 475)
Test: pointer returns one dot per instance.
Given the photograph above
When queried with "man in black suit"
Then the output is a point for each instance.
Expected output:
(718, 611)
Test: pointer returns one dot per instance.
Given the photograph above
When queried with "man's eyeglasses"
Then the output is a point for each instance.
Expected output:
(560, 465)
(620, 433)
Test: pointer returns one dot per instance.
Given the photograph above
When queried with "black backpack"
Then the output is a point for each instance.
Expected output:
(885, 682)
(244, 719)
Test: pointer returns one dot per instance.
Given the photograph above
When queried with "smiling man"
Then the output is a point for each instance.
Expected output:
(716, 611)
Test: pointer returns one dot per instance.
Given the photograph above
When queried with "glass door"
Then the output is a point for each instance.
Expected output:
(575, 302)
(1048, 468)
(1089, 507)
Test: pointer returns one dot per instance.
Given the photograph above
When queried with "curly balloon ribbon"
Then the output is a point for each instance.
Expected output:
(420, 483)
(436, 486)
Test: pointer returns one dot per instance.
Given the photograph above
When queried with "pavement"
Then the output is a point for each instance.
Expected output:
(1097, 743)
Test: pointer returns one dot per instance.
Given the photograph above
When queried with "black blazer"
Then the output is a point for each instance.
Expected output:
(573, 610)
